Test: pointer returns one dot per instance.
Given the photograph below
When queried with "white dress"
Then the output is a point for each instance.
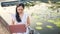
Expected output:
(23, 21)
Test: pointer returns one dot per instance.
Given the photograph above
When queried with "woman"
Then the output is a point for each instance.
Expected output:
(21, 18)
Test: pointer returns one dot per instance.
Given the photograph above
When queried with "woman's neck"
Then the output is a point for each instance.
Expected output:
(20, 13)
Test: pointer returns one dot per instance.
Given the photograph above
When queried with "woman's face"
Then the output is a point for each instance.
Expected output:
(20, 9)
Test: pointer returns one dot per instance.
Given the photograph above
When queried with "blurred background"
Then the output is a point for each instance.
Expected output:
(45, 14)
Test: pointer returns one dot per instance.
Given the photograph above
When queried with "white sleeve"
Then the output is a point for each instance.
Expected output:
(13, 17)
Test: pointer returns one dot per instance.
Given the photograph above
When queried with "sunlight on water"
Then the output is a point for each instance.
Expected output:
(39, 28)
(48, 26)
(39, 23)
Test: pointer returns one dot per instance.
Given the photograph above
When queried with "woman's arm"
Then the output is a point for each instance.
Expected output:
(12, 22)
(28, 21)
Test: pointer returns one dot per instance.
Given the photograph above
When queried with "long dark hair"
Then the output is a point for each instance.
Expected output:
(17, 14)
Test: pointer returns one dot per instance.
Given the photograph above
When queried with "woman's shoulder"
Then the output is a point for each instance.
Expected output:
(27, 15)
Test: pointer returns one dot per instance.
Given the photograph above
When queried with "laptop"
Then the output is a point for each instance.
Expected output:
(20, 28)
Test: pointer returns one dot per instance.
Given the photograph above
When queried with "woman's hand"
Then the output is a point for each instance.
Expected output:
(27, 25)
